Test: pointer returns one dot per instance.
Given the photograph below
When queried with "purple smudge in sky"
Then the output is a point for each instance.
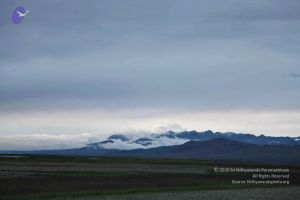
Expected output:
(16, 19)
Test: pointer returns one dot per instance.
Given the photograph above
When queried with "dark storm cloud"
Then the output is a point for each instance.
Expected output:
(177, 54)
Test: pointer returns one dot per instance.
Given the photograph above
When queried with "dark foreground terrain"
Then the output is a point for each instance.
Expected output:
(282, 193)
(61, 177)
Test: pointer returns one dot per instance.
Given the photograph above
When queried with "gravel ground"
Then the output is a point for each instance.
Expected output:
(287, 193)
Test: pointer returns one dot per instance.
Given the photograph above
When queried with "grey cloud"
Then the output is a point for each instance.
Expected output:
(70, 28)
(178, 54)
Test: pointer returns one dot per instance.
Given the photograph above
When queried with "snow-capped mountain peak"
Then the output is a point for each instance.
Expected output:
(169, 138)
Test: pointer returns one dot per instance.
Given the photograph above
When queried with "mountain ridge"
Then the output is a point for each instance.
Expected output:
(170, 138)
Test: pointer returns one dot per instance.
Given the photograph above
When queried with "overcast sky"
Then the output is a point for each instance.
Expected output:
(103, 66)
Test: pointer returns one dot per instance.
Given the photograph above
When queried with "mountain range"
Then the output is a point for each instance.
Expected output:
(205, 145)
(125, 142)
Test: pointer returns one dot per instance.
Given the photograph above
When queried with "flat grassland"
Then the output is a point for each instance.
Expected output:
(66, 177)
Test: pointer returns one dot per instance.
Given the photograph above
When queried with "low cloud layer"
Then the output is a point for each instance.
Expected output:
(97, 125)
(45, 141)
